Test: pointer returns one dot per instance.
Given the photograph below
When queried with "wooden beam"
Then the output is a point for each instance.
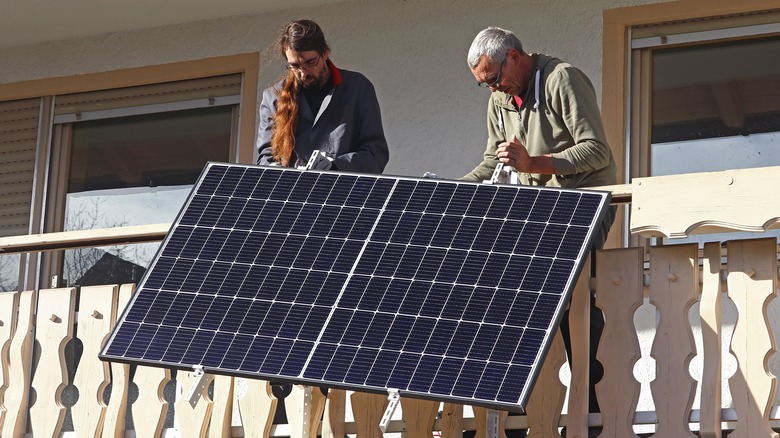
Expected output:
(621, 194)
(84, 238)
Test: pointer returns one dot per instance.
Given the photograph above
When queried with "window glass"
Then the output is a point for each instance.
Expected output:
(9, 272)
(716, 107)
(133, 171)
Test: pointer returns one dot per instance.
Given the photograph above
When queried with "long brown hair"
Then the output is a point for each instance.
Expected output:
(299, 36)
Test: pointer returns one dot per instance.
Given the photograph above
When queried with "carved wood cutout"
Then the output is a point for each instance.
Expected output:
(710, 202)
(96, 305)
(54, 328)
(20, 357)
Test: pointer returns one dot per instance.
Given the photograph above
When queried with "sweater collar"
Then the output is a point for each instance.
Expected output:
(335, 73)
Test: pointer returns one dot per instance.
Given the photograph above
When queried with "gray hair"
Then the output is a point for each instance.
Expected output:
(494, 43)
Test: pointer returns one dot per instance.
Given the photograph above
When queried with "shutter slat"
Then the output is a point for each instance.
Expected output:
(11, 126)
(9, 159)
(148, 94)
(18, 132)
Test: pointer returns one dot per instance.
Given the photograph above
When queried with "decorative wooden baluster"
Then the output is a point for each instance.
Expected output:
(752, 283)
(674, 285)
(193, 421)
(304, 413)
(368, 410)
(619, 287)
(96, 305)
(19, 365)
(333, 418)
(579, 329)
(546, 402)
(258, 406)
(481, 417)
(419, 416)
(114, 424)
(221, 413)
(150, 408)
(710, 314)
(9, 303)
(452, 421)
(54, 328)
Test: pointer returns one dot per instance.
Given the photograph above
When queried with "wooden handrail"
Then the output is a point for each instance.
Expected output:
(84, 238)
(154, 232)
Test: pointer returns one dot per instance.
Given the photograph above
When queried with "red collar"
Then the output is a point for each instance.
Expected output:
(334, 72)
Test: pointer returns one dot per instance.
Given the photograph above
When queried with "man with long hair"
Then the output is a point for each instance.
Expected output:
(319, 107)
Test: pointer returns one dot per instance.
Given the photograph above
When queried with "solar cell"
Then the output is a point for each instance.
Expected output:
(438, 289)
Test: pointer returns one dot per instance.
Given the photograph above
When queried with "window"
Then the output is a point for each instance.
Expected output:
(701, 89)
(114, 149)
(130, 157)
(132, 171)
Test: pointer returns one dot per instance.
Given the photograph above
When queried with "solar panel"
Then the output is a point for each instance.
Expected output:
(439, 289)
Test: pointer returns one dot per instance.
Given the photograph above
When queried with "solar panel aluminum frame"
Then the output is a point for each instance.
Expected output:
(133, 333)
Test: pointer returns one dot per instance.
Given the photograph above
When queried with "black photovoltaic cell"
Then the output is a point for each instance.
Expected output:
(440, 289)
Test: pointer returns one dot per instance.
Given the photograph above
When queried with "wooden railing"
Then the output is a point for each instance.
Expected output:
(655, 287)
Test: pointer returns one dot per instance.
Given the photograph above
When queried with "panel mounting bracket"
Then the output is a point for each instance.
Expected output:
(394, 398)
(492, 424)
(201, 381)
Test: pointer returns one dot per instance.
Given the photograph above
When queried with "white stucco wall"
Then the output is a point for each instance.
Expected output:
(413, 51)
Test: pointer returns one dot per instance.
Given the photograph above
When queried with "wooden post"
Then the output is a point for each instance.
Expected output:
(221, 414)
(752, 283)
(579, 332)
(192, 421)
(619, 287)
(54, 328)
(150, 408)
(710, 313)
(9, 304)
(257, 407)
(114, 424)
(368, 409)
(546, 402)
(333, 418)
(96, 304)
(303, 415)
(452, 421)
(419, 416)
(674, 285)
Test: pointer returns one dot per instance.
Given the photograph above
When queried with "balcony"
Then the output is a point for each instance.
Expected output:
(687, 347)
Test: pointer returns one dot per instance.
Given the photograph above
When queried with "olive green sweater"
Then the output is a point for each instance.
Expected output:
(559, 116)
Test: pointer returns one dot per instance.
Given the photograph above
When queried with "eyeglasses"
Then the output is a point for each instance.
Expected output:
(494, 83)
(308, 64)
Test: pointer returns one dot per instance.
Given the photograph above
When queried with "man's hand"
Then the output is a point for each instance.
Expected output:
(514, 153)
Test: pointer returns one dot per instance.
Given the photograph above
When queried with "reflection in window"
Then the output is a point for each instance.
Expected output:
(9, 272)
(133, 171)
(716, 107)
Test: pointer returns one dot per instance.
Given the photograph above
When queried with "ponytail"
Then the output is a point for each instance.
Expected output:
(285, 121)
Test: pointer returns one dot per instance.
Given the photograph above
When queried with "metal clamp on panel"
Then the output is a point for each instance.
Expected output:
(394, 398)
(503, 174)
(199, 384)
(319, 160)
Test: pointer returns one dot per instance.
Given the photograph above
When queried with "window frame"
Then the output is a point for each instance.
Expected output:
(246, 64)
(626, 120)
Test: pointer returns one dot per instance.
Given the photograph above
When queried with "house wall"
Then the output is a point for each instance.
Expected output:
(413, 51)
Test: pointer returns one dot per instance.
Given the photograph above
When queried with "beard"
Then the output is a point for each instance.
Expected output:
(309, 82)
